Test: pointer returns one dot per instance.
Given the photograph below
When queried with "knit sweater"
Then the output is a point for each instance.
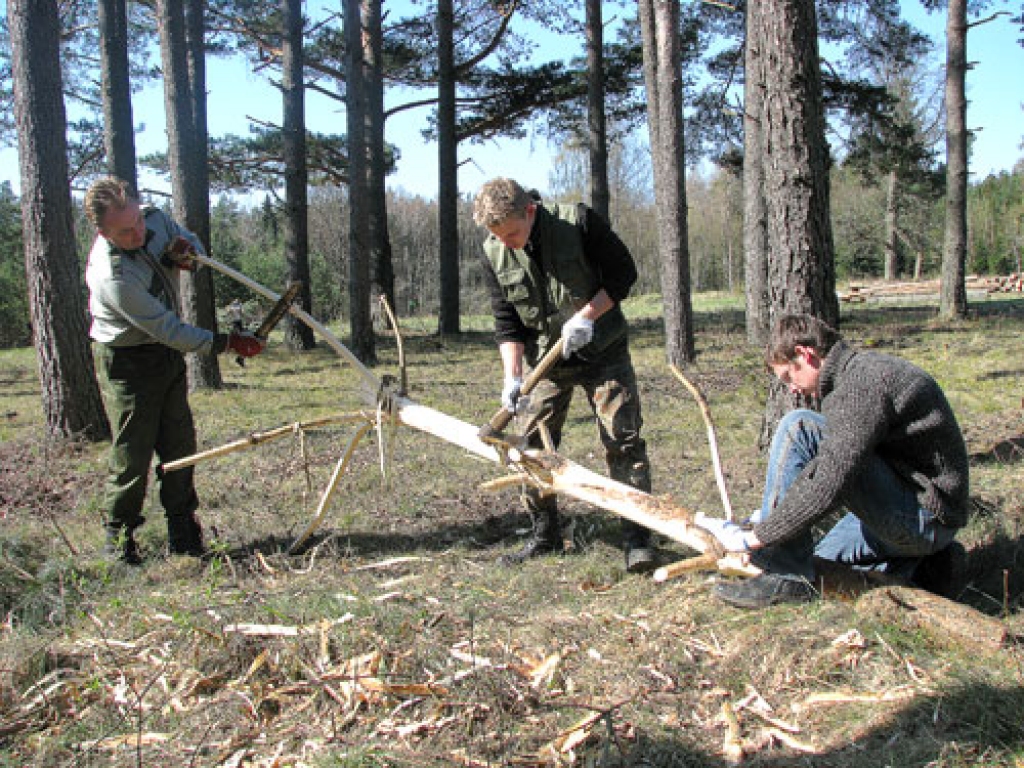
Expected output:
(876, 404)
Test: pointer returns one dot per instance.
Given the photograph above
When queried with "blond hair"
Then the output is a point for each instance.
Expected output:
(499, 200)
(105, 194)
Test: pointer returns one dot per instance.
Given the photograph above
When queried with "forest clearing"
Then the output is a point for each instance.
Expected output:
(393, 637)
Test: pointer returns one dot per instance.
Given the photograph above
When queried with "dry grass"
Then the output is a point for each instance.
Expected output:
(395, 640)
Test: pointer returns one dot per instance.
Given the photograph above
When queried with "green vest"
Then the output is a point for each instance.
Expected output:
(547, 294)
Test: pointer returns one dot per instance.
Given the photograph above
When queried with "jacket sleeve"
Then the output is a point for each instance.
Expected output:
(858, 417)
(171, 230)
(144, 311)
(607, 255)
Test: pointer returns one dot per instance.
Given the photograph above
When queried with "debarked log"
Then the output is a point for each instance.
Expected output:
(552, 472)
(944, 620)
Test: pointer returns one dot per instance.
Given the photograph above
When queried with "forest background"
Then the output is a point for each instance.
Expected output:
(246, 222)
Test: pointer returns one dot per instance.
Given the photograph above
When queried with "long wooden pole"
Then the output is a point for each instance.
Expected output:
(546, 469)
(257, 438)
(716, 461)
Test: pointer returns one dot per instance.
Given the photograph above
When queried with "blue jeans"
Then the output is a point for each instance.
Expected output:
(884, 529)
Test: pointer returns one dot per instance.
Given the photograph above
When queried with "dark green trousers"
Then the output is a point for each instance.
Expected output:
(146, 395)
(611, 389)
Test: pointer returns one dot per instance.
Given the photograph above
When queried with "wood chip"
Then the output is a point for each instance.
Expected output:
(732, 744)
(281, 630)
(389, 563)
(125, 740)
(904, 693)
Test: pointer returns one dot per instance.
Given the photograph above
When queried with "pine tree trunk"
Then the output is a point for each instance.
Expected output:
(447, 162)
(801, 265)
(801, 257)
(362, 342)
(199, 302)
(118, 126)
(663, 78)
(892, 223)
(293, 94)
(953, 294)
(755, 217)
(597, 133)
(186, 156)
(382, 272)
(71, 398)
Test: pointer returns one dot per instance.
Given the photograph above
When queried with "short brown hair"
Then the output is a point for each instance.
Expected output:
(105, 194)
(499, 200)
(792, 331)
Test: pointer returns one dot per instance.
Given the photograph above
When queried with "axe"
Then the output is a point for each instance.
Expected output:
(276, 313)
(492, 429)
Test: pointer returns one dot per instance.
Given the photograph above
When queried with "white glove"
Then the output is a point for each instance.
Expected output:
(576, 334)
(757, 516)
(730, 535)
(511, 394)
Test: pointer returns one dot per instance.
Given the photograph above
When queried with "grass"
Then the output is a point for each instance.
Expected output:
(463, 662)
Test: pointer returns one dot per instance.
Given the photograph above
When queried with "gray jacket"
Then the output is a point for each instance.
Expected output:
(876, 404)
(134, 299)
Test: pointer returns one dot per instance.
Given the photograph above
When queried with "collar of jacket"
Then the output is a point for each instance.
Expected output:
(834, 362)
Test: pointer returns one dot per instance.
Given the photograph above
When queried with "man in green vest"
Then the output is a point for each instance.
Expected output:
(560, 271)
(139, 341)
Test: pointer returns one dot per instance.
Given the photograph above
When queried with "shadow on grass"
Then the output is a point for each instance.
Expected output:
(994, 577)
(974, 725)
(482, 534)
(1008, 450)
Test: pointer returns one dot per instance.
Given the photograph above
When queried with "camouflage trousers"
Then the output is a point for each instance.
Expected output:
(146, 395)
(611, 390)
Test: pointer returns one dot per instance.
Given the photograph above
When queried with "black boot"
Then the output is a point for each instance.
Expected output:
(546, 537)
(185, 536)
(636, 545)
(121, 546)
(942, 572)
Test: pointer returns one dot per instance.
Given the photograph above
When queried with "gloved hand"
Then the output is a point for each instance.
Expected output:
(577, 332)
(245, 344)
(511, 394)
(730, 535)
(180, 254)
(757, 516)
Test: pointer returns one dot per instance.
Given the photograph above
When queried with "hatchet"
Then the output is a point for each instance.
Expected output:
(493, 429)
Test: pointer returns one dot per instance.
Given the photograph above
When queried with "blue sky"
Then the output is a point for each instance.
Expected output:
(995, 96)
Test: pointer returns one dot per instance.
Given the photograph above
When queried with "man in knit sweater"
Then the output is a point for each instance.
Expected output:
(884, 448)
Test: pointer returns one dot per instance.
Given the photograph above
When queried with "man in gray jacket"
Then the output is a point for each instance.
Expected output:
(885, 448)
(139, 341)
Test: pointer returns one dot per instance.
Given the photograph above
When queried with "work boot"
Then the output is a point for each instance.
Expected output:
(941, 572)
(546, 537)
(765, 590)
(185, 536)
(636, 545)
(121, 546)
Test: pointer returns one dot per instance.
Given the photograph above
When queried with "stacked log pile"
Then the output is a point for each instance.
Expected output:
(1012, 283)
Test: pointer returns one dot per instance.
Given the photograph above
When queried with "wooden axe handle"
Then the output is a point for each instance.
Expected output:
(503, 416)
(279, 310)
